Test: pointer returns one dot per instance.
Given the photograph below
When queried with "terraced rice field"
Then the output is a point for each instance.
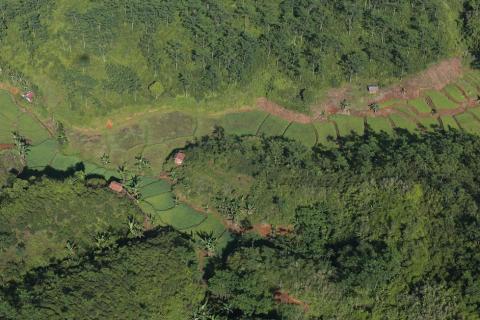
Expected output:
(420, 105)
(304, 133)
(468, 123)
(379, 124)
(440, 101)
(449, 123)
(348, 124)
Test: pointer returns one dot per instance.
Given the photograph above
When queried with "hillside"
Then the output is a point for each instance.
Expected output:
(91, 58)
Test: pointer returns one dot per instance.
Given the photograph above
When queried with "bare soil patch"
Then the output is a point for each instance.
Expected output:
(6, 146)
(279, 111)
(285, 298)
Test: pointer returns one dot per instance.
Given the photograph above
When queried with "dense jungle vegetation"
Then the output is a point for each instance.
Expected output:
(89, 57)
(382, 227)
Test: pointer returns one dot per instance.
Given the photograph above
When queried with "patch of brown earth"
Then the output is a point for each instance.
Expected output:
(6, 146)
(263, 229)
(283, 297)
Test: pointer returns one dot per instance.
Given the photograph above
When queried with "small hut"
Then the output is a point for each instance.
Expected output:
(116, 186)
(179, 158)
(28, 96)
(373, 88)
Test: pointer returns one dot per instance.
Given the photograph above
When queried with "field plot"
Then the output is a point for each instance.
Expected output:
(402, 122)
(449, 123)
(379, 124)
(440, 101)
(420, 105)
(31, 129)
(406, 109)
(41, 155)
(162, 201)
(390, 103)
(468, 88)
(455, 93)
(304, 133)
(63, 163)
(126, 138)
(326, 132)
(154, 188)
(468, 123)
(205, 126)
(348, 124)
(242, 123)
(429, 123)
(8, 109)
(158, 153)
(181, 217)
(273, 126)
(475, 112)
(168, 126)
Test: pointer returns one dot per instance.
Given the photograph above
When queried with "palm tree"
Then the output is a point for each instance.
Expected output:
(133, 228)
(21, 145)
(344, 105)
(208, 241)
(123, 172)
(105, 159)
(374, 107)
(141, 162)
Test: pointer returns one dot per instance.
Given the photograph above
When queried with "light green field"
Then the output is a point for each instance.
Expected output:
(63, 163)
(326, 132)
(41, 155)
(242, 123)
(154, 188)
(468, 123)
(469, 89)
(32, 129)
(304, 133)
(440, 101)
(167, 126)
(161, 202)
(402, 122)
(475, 111)
(205, 126)
(273, 126)
(348, 124)
(8, 109)
(379, 124)
(181, 217)
(390, 103)
(420, 105)
(429, 123)
(449, 122)
(407, 110)
(455, 93)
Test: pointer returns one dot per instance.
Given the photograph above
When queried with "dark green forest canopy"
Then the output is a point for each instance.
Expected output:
(103, 54)
(153, 278)
(383, 227)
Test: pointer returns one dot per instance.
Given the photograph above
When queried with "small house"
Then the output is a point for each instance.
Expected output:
(116, 186)
(28, 96)
(373, 89)
(179, 158)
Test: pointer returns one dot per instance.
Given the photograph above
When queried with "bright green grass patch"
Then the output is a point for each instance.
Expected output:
(475, 111)
(440, 101)
(182, 217)
(326, 132)
(449, 123)
(455, 93)
(63, 163)
(6, 129)
(469, 89)
(8, 108)
(390, 103)
(162, 201)
(243, 123)
(155, 188)
(468, 123)
(402, 122)
(429, 123)
(379, 124)
(348, 124)
(407, 110)
(167, 126)
(145, 181)
(32, 129)
(420, 105)
(304, 133)
(205, 126)
(273, 126)
(41, 155)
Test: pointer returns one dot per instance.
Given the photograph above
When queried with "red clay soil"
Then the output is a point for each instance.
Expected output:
(279, 111)
(285, 298)
(6, 146)
(263, 229)
(109, 124)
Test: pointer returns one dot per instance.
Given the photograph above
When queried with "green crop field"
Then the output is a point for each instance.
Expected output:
(304, 133)
(429, 123)
(181, 217)
(154, 188)
(41, 155)
(273, 126)
(449, 122)
(475, 111)
(205, 125)
(163, 201)
(167, 126)
(455, 93)
(30, 128)
(468, 123)
(379, 124)
(468, 88)
(242, 123)
(440, 101)
(407, 109)
(390, 103)
(348, 124)
(326, 132)
(8, 108)
(420, 105)
(403, 122)
(63, 163)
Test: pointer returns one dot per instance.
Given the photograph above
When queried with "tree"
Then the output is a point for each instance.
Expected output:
(21, 144)
(374, 107)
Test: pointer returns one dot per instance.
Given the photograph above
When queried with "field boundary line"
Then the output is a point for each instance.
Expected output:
(262, 123)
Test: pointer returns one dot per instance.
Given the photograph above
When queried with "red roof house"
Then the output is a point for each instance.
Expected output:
(116, 186)
(29, 96)
(179, 158)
